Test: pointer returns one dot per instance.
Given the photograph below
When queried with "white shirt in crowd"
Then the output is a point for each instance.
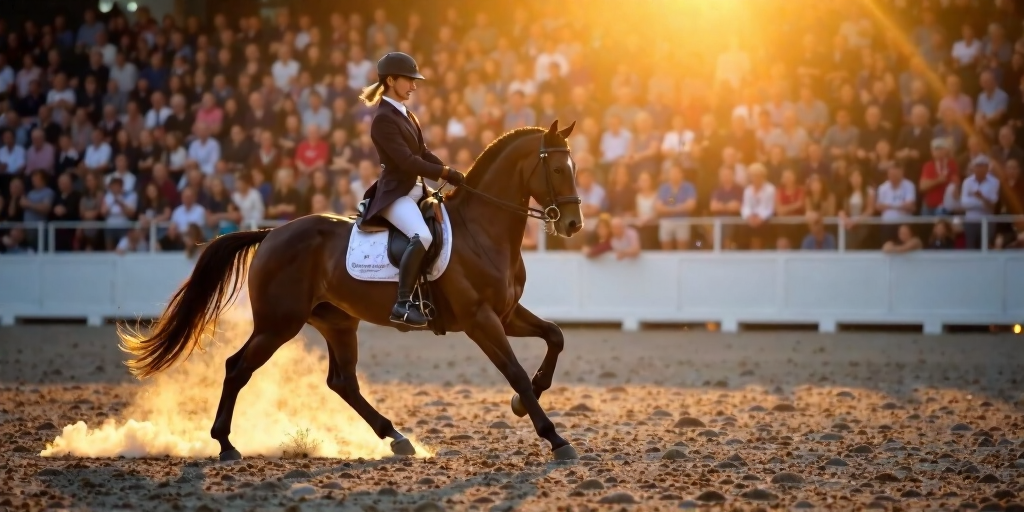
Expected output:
(543, 62)
(97, 156)
(183, 216)
(55, 96)
(109, 52)
(283, 72)
(127, 179)
(126, 76)
(677, 142)
(249, 205)
(615, 145)
(359, 73)
(964, 53)
(527, 87)
(890, 196)
(115, 214)
(974, 207)
(206, 154)
(6, 79)
(14, 158)
(760, 202)
(156, 117)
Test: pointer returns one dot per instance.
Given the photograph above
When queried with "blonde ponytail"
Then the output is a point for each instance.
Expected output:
(371, 93)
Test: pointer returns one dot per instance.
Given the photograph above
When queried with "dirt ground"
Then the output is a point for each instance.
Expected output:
(661, 419)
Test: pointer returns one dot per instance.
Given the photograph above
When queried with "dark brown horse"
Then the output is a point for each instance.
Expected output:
(297, 275)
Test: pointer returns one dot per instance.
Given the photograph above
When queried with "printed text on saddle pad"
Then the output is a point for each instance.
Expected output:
(367, 258)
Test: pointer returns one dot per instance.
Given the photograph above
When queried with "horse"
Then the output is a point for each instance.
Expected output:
(296, 274)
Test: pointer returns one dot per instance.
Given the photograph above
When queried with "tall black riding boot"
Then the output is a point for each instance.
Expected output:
(409, 270)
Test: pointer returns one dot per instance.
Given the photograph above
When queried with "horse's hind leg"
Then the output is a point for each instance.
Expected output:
(523, 323)
(267, 337)
(339, 330)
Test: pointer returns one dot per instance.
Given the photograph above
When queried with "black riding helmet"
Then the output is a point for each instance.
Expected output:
(398, 63)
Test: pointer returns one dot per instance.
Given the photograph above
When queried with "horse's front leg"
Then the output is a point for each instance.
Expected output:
(486, 330)
(523, 323)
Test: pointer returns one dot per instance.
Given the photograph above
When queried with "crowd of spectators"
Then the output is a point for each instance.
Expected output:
(859, 112)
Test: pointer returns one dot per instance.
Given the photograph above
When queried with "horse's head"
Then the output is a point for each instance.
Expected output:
(553, 182)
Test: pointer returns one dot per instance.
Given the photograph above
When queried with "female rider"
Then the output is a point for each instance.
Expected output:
(405, 161)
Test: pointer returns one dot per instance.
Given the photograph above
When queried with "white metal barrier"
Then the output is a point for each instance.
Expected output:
(931, 289)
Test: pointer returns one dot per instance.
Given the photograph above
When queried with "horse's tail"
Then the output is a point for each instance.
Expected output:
(195, 307)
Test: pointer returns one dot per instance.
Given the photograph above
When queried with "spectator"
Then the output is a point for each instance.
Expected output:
(189, 212)
(616, 143)
(819, 200)
(124, 73)
(677, 144)
(366, 175)
(790, 136)
(12, 156)
(38, 202)
(343, 201)
(621, 193)
(938, 174)
(978, 197)
(181, 120)
(98, 154)
(941, 237)
(91, 210)
(118, 208)
(625, 240)
(222, 215)
(992, 105)
(204, 150)
(811, 113)
(646, 212)
(955, 100)
(1007, 149)
(193, 240)
(903, 242)
(65, 209)
(519, 115)
(286, 202)
(914, 143)
(316, 114)
(896, 200)
(726, 201)
(818, 239)
(856, 207)
(172, 240)
(677, 200)
(14, 242)
(758, 207)
(123, 173)
(133, 241)
(311, 154)
(1011, 239)
(599, 241)
(88, 30)
(153, 206)
(842, 139)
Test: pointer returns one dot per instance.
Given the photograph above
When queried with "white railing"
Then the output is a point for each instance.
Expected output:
(46, 231)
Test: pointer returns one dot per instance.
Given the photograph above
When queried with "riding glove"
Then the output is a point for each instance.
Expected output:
(454, 177)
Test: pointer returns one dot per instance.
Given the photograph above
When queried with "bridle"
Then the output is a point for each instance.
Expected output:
(551, 213)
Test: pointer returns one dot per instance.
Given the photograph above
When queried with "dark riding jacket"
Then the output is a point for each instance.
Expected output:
(403, 157)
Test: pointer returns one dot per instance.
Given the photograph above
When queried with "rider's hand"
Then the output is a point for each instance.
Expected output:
(455, 178)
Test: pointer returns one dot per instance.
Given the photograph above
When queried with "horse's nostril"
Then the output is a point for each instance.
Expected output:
(574, 227)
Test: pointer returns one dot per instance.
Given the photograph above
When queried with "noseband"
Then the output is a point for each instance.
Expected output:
(551, 212)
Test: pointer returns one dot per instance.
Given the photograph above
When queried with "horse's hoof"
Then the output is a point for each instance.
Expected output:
(517, 406)
(402, 447)
(230, 455)
(566, 452)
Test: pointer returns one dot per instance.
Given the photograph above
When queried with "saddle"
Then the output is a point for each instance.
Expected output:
(430, 207)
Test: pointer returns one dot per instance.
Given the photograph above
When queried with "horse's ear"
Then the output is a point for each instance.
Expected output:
(554, 127)
(565, 132)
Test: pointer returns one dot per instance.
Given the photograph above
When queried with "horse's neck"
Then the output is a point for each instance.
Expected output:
(500, 226)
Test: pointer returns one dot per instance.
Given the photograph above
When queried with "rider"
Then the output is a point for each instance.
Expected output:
(405, 161)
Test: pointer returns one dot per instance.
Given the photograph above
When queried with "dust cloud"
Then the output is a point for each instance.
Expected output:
(172, 412)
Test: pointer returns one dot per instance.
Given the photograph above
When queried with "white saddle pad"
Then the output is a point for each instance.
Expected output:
(367, 258)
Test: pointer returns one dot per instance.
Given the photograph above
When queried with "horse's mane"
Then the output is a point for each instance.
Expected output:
(487, 159)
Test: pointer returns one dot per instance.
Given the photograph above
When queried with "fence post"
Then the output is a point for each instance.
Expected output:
(841, 231)
(152, 236)
(40, 237)
(984, 234)
(717, 235)
(51, 237)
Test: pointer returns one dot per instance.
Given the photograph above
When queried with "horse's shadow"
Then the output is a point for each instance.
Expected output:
(113, 487)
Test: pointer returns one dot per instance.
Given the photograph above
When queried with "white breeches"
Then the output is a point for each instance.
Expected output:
(406, 216)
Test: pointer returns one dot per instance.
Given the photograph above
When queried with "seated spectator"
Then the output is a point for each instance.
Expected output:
(14, 242)
(818, 199)
(286, 201)
(118, 209)
(791, 136)
(91, 210)
(109, 123)
(758, 207)
(209, 114)
(181, 120)
(677, 143)
(222, 215)
(941, 237)
(842, 139)
(40, 155)
(955, 100)
(895, 200)
(811, 113)
(625, 240)
(518, 114)
(914, 143)
(645, 147)
(152, 205)
(343, 201)
(98, 154)
(122, 172)
(726, 201)
(133, 241)
(616, 143)
(952, 128)
(267, 157)
(193, 239)
(177, 156)
(1011, 239)
(978, 196)
(311, 154)
(818, 239)
(340, 161)
(133, 121)
(991, 105)
(239, 149)
(248, 202)
(936, 177)
(316, 115)
(905, 241)
(871, 133)
(621, 193)
(172, 240)
(815, 164)
(159, 113)
(319, 203)
(677, 201)
(204, 150)
(366, 175)
(599, 241)
(12, 156)
(38, 202)
(66, 209)
(189, 212)
(318, 184)
(1007, 148)
(857, 206)
(646, 220)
